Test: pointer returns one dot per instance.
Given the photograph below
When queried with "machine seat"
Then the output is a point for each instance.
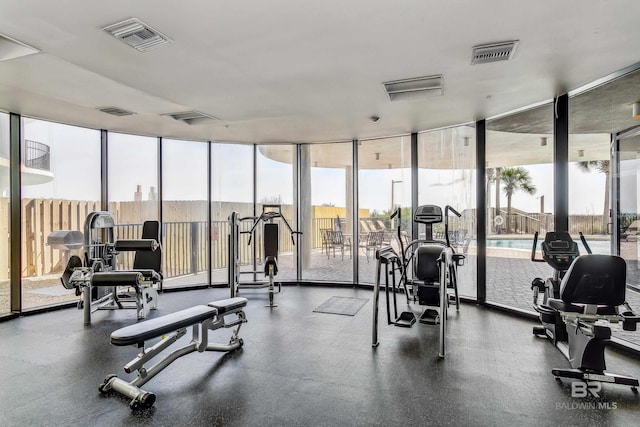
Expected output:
(596, 280)
(558, 304)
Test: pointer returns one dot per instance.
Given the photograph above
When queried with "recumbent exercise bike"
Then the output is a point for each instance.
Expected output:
(584, 292)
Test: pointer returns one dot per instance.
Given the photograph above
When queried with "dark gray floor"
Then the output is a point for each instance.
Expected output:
(300, 368)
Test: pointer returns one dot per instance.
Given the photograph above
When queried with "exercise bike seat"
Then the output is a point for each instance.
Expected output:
(598, 280)
(559, 305)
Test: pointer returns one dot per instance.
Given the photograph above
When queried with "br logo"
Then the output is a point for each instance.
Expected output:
(582, 389)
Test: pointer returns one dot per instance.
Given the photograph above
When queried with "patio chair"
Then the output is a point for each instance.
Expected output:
(325, 235)
(371, 242)
(338, 241)
(364, 227)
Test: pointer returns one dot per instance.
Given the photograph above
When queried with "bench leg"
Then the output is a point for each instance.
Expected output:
(140, 399)
(146, 300)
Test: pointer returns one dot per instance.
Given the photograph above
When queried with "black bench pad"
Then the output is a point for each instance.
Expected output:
(116, 278)
(228, 304)
(143, 331)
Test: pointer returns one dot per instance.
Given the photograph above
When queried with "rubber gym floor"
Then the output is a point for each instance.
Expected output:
(302, 368)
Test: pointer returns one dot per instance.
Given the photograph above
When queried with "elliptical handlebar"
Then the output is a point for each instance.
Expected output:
(448, 208)
(533, 249)
(395, 213)
(585, 244)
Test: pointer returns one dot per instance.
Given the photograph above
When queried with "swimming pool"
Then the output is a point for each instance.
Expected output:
(597, 246)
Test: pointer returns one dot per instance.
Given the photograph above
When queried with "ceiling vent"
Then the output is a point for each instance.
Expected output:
(417, 87)
(137, 34)
(493, 52)
(192, 117)
(115, 111)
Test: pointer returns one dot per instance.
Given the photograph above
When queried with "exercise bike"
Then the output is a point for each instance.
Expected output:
(432, 282)
(579, 301)
(271, 248)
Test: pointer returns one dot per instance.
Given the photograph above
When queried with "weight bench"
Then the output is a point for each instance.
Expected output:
(170, 328)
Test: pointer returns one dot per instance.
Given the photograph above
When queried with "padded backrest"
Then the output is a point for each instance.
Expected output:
(150, 260)
(271, 239)
(595, 279)
(426, 263)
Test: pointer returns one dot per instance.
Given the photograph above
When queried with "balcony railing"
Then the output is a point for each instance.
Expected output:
(37, 155)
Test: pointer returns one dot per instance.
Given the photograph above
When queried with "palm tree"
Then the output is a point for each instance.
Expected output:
(493, 176)
(601, 166)
(515, 179)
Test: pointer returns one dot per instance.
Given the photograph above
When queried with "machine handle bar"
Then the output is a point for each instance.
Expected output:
(584, 242)
(533, 249)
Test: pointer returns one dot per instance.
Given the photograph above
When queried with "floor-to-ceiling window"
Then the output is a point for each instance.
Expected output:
(60, 187)
(326, 207)
(447, 176)
(597, 116)
(231, 190)
(132, 186)
(274, 186)
(185, 212)
(519, 188)
(384, 184)
(591, 125)
(5, 253)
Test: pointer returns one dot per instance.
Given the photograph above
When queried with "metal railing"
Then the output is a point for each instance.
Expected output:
(37, 155)
(184, 244)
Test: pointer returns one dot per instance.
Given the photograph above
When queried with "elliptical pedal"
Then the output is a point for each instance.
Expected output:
(430, 317)
(406, 319)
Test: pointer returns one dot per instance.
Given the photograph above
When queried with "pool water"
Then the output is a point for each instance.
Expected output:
(597, 246)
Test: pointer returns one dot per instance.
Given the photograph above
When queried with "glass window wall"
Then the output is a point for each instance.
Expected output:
(185, 212)
(60, 187)
(274, 186)
(447, 176)
(5, 253)
(590, 129)
(520, 196)
(384, 184)
(132, 187)
(326, 208)
(231, 190)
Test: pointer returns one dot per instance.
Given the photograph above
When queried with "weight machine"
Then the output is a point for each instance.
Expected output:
(98, 282)
(270, 247)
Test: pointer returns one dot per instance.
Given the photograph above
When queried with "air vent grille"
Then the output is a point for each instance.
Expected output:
(192, 117)
(137, 34)
(418, 87)
(115, 111)
(493, 52)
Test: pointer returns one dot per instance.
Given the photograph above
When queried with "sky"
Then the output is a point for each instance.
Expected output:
(75, 163)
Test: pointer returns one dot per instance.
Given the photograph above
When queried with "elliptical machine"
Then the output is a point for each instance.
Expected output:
(584, 292)
(432, 282)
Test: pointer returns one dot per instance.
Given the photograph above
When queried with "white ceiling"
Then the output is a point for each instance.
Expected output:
(302, 71)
